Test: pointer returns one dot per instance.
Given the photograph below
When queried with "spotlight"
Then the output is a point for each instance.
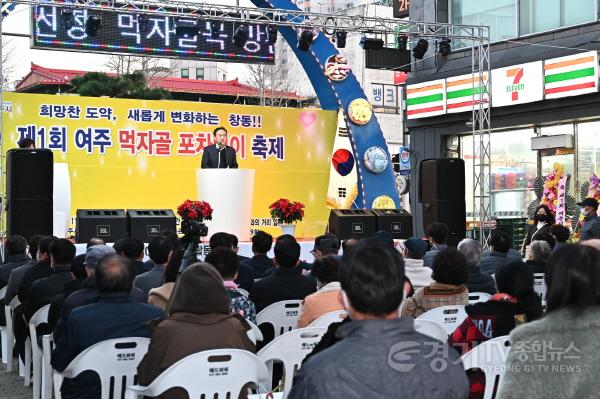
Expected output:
(340, 38)
(420, 49)
(371, 43)
(67, 18)
(93, 25)
(215, 26)
(272, 34)
(143, 21)
(444, 47)
(402, 42)
(240, 36)
(305, 40)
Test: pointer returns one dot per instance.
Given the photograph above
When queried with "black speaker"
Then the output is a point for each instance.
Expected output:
(347, 223)
(388, 59)
(108, 224)
(398, 222)
(29, 187)
(442, 195)
(146, 224)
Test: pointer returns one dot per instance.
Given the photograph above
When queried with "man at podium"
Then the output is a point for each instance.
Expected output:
(219, 155)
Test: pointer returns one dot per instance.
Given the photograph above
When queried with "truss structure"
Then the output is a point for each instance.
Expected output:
(477, 35)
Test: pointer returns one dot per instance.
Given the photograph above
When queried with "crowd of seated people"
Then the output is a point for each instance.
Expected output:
(186, 306)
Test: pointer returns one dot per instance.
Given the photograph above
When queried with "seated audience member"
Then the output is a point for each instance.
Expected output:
(159, 251)
(560, 234)
(437, 233)
(571, 323)
(15, 255)
(547, 237)
(133, 249)
(287, 282)
(515, 304)
(79, 274)
(159, 296)
(114, 315)
(362, 364)
(41, 269)
(261, 245)
(476, 281)
(227, 263)
(326, 245)
(89, 292)
(539, 254)
(118, 246)
(327, 298)
(450, 274)
(178, 249)
(95, 241)
(246, 274)
(414, 250)
(500, 255)
(16, 275)
(198, 319)
(236, 248)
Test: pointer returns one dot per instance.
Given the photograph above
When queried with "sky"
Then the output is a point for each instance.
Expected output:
(19, 21)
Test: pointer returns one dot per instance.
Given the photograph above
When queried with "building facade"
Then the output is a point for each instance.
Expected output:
(535, 92)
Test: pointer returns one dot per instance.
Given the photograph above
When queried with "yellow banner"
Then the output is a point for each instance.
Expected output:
(138, 154)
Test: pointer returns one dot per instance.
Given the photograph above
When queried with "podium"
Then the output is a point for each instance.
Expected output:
(230, 193)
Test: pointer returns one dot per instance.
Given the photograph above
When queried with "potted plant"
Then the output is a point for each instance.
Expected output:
(193, 214)
(287, 212)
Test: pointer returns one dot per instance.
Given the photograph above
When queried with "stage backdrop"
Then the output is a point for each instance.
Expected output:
(137, 154)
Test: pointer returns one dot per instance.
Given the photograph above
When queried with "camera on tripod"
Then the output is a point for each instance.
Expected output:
(194, 228)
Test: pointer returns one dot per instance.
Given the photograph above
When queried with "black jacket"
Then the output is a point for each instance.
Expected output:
(11, 262)
(536, 266)
(210, 157)
(285, 284)
(38, 271)
(44, 290)
(259, 263)
(533, 233)
(480, 282)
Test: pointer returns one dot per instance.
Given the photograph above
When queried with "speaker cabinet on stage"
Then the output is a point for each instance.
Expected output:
(29, 185)
(108, 224)
(442, 195)
(347, 223)
(146, 224)
(398, 222)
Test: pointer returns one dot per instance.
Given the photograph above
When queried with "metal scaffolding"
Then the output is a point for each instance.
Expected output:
(477, 35)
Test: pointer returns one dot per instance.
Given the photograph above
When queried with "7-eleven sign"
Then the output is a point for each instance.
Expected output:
(518, 84)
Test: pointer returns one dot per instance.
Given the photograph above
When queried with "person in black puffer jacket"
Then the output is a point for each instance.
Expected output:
(477, 281)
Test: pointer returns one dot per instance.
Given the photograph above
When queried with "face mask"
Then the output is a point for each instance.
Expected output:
(540, 218)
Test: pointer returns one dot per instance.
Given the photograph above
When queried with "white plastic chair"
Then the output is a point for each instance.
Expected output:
(47, 347)
(431, 329)
(291, 348)
(539, 285)
(476, 297)
(39, 317)
(254, 333)
(282, 315)
(490, 357)
(216, 373)
(449, 317)
(329, 318)
(115, 359)
(3, 337)
(10, 335)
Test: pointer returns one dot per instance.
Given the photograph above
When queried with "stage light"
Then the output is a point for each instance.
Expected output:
(93, 25)
(444, 47)
(215, 26)
(371, 43)
(402, 42)
(67, 18)
(340, 38)
(305, 40)
(240, 36)
(420, 49)
(143, 21)
(272, 34)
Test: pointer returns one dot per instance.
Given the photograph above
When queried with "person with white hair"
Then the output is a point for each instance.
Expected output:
(539, 254)
(476, 281)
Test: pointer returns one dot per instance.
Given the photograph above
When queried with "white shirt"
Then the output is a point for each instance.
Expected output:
(419, 275)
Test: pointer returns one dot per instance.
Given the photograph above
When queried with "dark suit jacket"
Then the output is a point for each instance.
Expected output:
(11, 262)
(38, 271)
(283, 285)
(210, 157)
(113, 316)
(44, 290)
(259, 263)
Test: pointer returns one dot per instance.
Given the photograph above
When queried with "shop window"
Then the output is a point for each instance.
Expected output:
(499, 15)
(544, 15)
(588, 151)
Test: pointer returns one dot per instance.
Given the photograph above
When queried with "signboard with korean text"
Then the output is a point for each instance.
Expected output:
(138, 154)
(518, 84)
(384, 96)
(153, 35)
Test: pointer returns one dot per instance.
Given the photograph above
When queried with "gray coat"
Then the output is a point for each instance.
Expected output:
(431, 254)
(557, 356)
(382, 359)
(151, 279)
(492, 260)
(591, 229)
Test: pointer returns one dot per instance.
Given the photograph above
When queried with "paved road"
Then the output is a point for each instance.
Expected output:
(11, 385)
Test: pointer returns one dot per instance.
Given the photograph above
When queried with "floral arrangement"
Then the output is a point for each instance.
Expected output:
(287, 211)
(594, 188)
(195, 210)
(551, 194)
